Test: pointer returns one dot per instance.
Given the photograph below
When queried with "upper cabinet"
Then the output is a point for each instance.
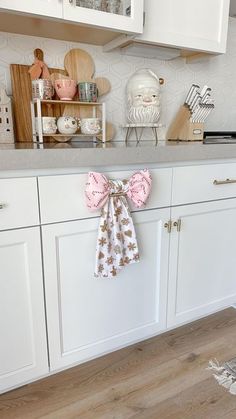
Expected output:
(117, 15)
(51, 8)
(198, 25)
(122, 16)
(184, 24)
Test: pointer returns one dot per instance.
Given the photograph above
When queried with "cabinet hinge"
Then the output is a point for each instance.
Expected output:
(168, 226)
(177, 224)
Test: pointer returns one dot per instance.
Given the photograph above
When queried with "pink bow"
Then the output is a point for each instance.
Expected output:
(99, 188)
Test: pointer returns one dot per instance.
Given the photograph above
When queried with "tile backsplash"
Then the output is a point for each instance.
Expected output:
(218, 72)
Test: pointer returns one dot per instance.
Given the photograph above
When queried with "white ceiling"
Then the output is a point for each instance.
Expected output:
(232, 10)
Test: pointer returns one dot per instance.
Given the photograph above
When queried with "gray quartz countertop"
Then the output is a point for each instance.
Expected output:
(24, 156)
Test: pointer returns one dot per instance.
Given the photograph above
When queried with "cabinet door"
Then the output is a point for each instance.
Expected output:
(198, 25)
(202, 276)
(87, 316)
(52, 8)
(123, 16)
(23, 350)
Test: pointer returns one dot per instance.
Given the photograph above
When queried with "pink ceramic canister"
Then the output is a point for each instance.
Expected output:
(66, 89)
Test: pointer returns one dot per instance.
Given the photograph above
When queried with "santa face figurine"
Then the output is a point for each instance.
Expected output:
(143, 97)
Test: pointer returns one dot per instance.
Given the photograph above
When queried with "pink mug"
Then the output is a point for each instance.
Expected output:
(66, 89)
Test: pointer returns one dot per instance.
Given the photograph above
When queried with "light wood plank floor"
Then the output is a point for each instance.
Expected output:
(162, 378)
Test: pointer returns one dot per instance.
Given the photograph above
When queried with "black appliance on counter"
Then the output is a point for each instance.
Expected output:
(219, 137)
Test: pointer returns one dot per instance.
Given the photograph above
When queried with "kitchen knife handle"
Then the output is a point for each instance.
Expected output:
(223, 182)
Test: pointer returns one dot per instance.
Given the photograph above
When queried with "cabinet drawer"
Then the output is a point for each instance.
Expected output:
(62, 197)
(18, 203)
(203, 183)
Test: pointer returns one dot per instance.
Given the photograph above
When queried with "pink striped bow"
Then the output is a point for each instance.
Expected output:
(99, 188)
(117, 244)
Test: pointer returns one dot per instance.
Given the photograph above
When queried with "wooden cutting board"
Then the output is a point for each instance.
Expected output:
(21, 90)
(80, 66)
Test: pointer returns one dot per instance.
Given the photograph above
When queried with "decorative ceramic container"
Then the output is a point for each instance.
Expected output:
(49, 125)
(87, 92)
(143, 97)
(67, 125)
(42, 89)
(91, 126)
(66, 89)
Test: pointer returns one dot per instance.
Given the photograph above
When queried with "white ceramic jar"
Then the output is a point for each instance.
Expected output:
(91, 126)
(143, 97)
(67, 125)
(49, 125)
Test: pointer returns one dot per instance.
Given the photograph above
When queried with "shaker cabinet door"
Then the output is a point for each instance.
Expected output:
(123, 16)
(202, 275)
(197, 25)
(52, 8)
(23, 348)
(88, 316)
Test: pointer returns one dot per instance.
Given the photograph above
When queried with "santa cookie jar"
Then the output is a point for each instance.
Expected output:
(143, 97)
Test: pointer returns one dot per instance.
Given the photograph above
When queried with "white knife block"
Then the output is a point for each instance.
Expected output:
(182, 129)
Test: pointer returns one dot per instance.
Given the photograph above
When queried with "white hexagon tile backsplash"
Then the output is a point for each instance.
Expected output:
(218, 72)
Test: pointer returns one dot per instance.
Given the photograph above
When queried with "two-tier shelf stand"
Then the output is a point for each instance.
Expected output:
(36, 111)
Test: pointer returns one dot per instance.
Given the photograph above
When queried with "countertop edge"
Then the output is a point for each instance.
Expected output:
(53, 158)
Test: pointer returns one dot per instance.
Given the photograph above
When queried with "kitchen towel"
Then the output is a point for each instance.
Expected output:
(116, 244)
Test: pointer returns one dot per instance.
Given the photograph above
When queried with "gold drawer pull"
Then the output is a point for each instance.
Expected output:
(223, 182)
(168, 226)
(177, 224)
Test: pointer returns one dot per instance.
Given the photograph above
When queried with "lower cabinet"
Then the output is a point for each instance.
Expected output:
(181, 276)
(89, 316)
(23, 348)
(202, 275)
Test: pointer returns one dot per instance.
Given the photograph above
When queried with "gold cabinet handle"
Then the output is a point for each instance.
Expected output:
(177, 224)
(223, 182)
(168, 226)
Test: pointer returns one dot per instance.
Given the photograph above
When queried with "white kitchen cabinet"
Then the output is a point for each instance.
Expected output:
(123, 22)
(52, 8)
(206, 182)
(23, 349)
(184, 24)
(62, 196)
(87, 316)
(18, 203)
(202, 276)
(129, 19)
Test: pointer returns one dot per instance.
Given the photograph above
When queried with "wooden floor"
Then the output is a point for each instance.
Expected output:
(161, 378)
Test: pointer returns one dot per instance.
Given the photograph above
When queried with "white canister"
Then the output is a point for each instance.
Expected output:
(67, 125)
(49, 125)
(91, 126)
